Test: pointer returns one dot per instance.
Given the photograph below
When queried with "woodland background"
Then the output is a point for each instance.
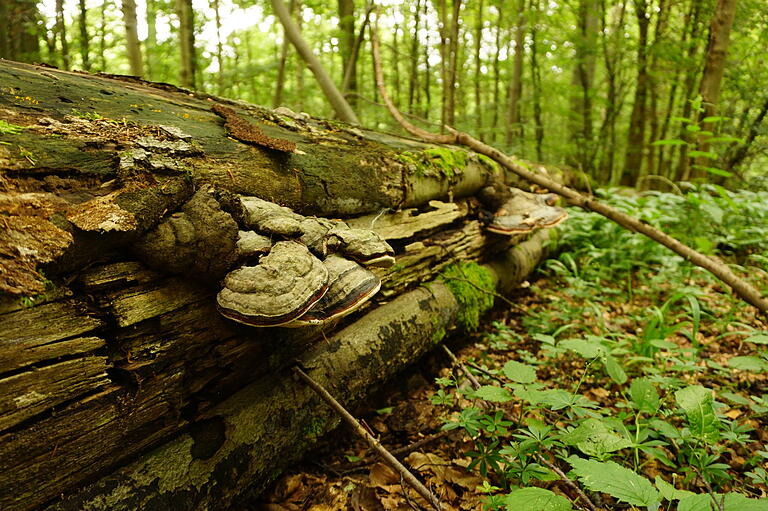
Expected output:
(630, 92)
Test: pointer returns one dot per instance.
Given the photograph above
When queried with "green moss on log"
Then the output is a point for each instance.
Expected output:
(473, 286)
(435, 161)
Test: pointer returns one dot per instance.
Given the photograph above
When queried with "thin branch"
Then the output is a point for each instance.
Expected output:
(475, 384)
(742, 288)
(372, 441)
(568, 482)
(720, 504)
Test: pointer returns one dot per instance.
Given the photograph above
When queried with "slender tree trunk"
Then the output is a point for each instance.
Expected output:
(478, 74)
(536, 82)
(427, 71)
(219, 48)
(150, 44)
(742, 151)
(581, 96)
(61, 30)
(84, 38)
(337, 101)
(280, 85)
(395, 65)
(514, 128)
(449, 117)
(655, 91)
(103, 36)
(497, 77)
(347, 44)
(413, 79)
(693, 68)
(19, 33)
(188, 68)
(714, 68)
(633, 159)
(132, 37)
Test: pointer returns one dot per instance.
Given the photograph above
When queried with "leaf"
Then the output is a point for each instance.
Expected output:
(733, 502)
(692, 128)
(595, 438)
(536, 499)
(493, 394)
(757, 339)
(697, 403)
(644, 396)
(714, 170)
(703, 154)
(724, 140)
(614, 369)
(681, 119)
(697, 502)
(519, 373)
(670, 141)
(714, 118)
(583, 347)
(753, 364)
(615, 480)
(669, 492)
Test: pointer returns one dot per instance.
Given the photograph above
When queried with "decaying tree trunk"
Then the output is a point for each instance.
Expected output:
(122, 386)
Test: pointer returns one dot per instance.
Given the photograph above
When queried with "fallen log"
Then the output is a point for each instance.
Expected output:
(122, 385)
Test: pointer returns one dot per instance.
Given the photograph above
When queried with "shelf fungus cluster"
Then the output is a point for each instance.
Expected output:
(514, 211)
(289, 270)
(313, 273)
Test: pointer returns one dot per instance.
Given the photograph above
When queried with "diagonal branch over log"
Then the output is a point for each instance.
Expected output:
(741, 287)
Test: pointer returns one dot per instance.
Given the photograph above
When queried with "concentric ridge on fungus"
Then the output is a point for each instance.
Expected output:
(282, 287)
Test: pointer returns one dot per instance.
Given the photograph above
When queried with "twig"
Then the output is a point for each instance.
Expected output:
(721, 504)
(568, 482)
(471, 377)
(372, 441)
(742, 288)
(406, 449)
(484, 371)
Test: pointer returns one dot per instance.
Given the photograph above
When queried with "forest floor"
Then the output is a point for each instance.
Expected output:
(638, 386)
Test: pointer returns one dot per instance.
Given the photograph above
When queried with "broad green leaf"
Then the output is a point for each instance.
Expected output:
(595, 438)
(703, 154)
(583, 347)
(734, 398)
(692, 128)
(724, 140)
(519, 373)
(614, 370)
(535, 499)
(753, 364)
(556, 399)
(697, 502)
(681, 119)
(670, 141)
(697, 401)
(493, 394)
(619, 482)
(733, 502)
(757, 339)
(669, 492)
(714, 170)
(714, 118)
(644, 396)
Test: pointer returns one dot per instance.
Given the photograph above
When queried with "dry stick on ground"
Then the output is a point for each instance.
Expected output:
(742, 288)
(360, 430)
(471, 377)
(567, 480)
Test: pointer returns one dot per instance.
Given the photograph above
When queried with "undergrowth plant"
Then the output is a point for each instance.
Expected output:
(637, 374)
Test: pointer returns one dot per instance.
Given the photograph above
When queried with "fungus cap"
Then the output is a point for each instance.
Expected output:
(282, 287)
(349, 286)
(363, 245)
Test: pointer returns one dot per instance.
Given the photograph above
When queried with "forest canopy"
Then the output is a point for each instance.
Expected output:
(638, 92)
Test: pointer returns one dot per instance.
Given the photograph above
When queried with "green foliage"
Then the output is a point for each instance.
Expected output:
(535, 499)
(617, 481)
(473, 287)
(437, 162)
(6, 128)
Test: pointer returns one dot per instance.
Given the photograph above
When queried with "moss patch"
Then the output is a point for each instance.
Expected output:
(473, 287)
(435, 161)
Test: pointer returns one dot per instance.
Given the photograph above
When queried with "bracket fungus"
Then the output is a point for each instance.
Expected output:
(349, 286)
(364, 246)
(522, 212)
(281, 288)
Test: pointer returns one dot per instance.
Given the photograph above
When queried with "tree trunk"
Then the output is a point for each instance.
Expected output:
(714, 67)
(583, 77)
(497, 78)
(19, 36)
(633, 159)
(84, 37)
(103, 36)
(515, 91)
(127, 377)
(219, 50)
(478, 74)
(347, 44)
(132, 38)
(293, 33)
(449, 86)
(538, 123)
(61, 31)
(413, 79)
(186, 16)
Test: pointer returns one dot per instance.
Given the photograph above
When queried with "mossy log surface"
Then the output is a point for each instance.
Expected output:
(122, 386)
